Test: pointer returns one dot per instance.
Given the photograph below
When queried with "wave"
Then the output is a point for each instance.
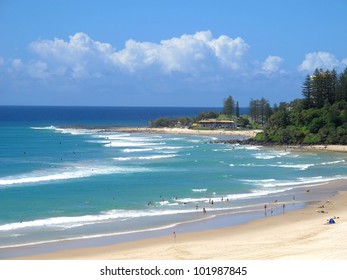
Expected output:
(131, 144)
(255, 193)
(270, 155)
(244, 147)
(43, 127)
(137, 150)
(302, 166)
(295, 166)
(105, 216)
(299, 182)
(145, 157)
(252, 194)
(333, 162)
(199, 190)
(74, 172)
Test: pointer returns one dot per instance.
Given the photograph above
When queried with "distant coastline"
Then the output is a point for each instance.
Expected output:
(246, 134)
(166, 130)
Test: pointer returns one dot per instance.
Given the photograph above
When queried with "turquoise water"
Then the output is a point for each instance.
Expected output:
(65, 183)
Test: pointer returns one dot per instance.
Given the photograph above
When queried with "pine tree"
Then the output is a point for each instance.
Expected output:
(237, 110)
(229, 106)
(307, 92)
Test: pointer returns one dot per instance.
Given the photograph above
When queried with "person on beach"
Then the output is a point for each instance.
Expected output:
(174, 234)
(284, 206)
(204, 210)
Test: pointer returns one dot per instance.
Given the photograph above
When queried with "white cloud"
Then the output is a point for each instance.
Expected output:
(79, 57)
(34, 69)
(38, 70)
(272, 64)
(322, 60)
(83, 57)
(17, 64)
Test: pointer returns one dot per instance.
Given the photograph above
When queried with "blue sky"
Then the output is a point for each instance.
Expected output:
(165, 53)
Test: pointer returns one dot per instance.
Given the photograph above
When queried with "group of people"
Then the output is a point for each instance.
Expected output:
(265, 207)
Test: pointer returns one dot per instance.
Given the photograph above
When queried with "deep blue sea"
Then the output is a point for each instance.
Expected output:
(68, 183)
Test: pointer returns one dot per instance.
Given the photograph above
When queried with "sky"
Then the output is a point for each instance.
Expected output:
(191, 53)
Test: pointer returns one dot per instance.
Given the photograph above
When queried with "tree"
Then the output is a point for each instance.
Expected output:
(253, 110)
(307, 92)
(260, 110)
(237, 110)
(321, 87)
(341, 87)
(229, 106)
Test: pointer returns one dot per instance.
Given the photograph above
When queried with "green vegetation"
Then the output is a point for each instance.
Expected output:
(169, 122)
(229, 106)
(319, 118)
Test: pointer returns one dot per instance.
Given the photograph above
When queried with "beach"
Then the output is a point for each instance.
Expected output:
(298, 234)
(288, 234)
(187, 131)
(328, 148)
(219, 132)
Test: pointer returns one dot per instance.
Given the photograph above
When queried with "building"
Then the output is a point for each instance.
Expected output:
(217, 124)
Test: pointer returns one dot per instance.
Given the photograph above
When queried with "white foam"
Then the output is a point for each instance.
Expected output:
(72, 172)
(199, 190)
(270, 155)
(333, 162)
(192, 200)
(43, 127)
(137, 150)
(145, 157)
(255, 193)
(302, 181)
(105, 216)
(131, 144)
(294, 166)
(73, 131)
(248, 147)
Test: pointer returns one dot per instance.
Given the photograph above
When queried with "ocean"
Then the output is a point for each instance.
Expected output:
(60, 183)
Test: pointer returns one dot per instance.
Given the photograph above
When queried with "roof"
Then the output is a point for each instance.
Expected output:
(216, 121)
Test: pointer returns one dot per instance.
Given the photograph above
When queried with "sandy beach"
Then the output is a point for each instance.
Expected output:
(299, 234)
(167, 130)
(217, 132)
(328, 148)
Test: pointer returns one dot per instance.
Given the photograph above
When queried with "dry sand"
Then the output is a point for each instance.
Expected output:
(166, 130)
(299, 234)
(328, 148)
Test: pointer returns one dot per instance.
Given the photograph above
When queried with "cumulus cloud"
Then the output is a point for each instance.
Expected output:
(33, 69)
(272, 64)
(324, 60)
(81, 56)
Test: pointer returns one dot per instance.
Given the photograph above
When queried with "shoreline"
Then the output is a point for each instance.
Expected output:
(187, 131)
(167, 130)
(296, 234)
(216, 132)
